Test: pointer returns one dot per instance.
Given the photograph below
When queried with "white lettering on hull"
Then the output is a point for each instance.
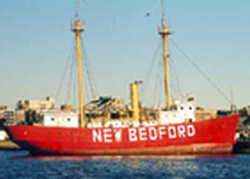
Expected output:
(172, 132)
(118, 135)
(190, 130)
(181, 131)
(107, 135)
(97, 135)
(142, 134)
(132, 134)
(153, 133)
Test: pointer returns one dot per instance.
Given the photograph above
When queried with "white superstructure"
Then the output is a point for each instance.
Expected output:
(61, 119)
(180, 112)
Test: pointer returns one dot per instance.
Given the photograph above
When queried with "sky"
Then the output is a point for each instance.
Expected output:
(120, 40)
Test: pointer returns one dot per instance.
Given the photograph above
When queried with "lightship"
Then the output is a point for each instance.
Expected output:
(175, 131)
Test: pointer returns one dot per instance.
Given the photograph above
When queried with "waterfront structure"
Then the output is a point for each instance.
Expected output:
(9, 116)
(12, 116)
(37, 105)
(20, 116)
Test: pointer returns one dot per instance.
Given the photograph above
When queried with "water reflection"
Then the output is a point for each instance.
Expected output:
(181, 166)
(25, 155)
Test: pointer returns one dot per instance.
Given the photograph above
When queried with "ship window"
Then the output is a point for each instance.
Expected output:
(182, 108)
(190, 108)
(68, 119)
(52, 119)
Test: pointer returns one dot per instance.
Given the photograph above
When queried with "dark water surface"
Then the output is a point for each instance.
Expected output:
(17, 164)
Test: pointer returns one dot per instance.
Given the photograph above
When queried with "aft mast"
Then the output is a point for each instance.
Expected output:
(164, 32)
(77, 27)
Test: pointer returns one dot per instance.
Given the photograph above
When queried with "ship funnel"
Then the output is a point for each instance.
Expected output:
(134, 88)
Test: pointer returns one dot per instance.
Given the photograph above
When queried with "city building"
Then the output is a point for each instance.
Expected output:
(39, 106)
(8, 115)
(19, 116)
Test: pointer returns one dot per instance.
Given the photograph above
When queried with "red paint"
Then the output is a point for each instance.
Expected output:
(211, 136)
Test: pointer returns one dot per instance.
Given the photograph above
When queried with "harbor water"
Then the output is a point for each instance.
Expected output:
(18, 164)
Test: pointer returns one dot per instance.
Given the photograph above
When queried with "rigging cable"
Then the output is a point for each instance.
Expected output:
(90, 74)
(74, 93)
(175, 83)
(67, 64)
(71, 77)
(158, 92)
(202, 72)
(148, 76)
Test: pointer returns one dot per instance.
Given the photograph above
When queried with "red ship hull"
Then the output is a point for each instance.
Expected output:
(206, 137)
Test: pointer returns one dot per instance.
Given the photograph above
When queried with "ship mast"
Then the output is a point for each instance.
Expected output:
(164, 32)
(77, 27)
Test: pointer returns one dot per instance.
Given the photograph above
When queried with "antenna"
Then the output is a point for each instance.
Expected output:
(163, 12)
(77, 8)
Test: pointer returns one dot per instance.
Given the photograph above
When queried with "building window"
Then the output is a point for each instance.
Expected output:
(68, 119)
(52, 119)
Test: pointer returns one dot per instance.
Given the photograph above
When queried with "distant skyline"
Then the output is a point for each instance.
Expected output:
(120, 40)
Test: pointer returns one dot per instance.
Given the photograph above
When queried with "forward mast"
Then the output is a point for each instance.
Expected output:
(78, 27)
